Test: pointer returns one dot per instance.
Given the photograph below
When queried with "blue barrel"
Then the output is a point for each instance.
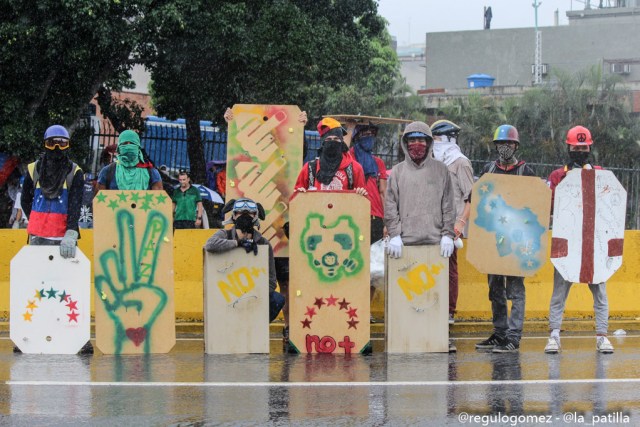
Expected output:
(479, 80)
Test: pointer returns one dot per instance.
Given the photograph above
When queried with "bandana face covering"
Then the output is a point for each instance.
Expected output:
(129, 155)
(330, 159)
(579, 158)
(505, 152)
(55, 166)
(417, 151)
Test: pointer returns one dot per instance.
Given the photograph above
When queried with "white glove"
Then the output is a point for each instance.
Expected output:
(458, 243)
(394, 247)
(446, 246)
(68, 244)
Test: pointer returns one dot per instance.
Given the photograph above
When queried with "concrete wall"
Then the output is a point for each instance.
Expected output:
(507, 54)
(473, 300)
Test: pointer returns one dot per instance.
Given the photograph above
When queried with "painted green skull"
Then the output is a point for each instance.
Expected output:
(332, 250)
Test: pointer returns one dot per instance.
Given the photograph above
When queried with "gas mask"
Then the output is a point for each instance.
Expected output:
(244, 223)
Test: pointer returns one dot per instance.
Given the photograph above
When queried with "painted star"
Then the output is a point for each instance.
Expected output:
(32, 305)
(122, 196)
(64, 296)
(331, 300)
(42, 293)
(492, 203)
(484, 188)
(72, 305)
(101, 197)
(529, 263)
(306, 323)
(113, 204)
(319, 302)
(352, 312)
(503, 219)
(352, 324)
(145, 206)
(134, 197)
(27, 316)
(73, 316)
(344, 305)
(52, 293)
(38, 295)
(310, 312)
(148, 198)
(161, 198)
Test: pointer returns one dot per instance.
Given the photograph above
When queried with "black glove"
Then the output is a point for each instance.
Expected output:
(249, 245)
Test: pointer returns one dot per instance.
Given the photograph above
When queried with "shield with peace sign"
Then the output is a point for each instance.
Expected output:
(133, 265)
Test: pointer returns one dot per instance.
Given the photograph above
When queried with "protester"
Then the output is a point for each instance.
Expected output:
(507, 329)
(130, 171)
(245, 217)
(579, 143)
(446, 150)
(52, 198)
(187, 204)
(335, 169)
(418, 207)
(363, 140)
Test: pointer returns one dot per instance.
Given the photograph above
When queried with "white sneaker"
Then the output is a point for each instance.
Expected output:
(553, 345)
(603, 345)
(451, 319)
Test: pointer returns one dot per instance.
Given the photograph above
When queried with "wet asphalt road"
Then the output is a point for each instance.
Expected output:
(187, 387)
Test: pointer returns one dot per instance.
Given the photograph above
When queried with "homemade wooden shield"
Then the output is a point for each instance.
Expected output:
(508, 225)
(50, 300)
(417, 303)
(264, 156)
(588, 226)
(236, 301)
(329, 273)
(133, 255)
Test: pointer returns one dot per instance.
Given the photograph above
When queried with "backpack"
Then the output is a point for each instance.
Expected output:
(312, 165)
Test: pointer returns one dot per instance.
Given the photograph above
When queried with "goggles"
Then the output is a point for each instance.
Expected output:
(52, 143)
(245, 205)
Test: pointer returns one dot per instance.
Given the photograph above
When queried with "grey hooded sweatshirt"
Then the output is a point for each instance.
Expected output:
(419, 203)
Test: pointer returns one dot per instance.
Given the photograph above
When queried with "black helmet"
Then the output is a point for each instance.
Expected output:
(445, 127)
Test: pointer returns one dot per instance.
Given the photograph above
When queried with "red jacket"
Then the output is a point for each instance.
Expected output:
(340, 180)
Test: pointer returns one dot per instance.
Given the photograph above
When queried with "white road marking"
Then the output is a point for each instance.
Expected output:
(324, 384)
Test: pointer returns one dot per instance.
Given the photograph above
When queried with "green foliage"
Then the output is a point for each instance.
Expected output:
(543, 115)
(55, 55)
(212, 55)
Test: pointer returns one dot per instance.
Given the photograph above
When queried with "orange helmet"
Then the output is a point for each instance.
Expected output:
(579, 135)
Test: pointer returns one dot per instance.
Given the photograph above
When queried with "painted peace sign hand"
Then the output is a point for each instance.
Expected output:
(126, 286)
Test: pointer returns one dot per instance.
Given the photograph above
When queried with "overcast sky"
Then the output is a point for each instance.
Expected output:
(410, 20)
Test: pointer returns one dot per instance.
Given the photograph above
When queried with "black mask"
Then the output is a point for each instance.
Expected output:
(244, 223)
(330, 159)
(579, 158)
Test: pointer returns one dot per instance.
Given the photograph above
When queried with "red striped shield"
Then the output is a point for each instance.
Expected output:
(588, 226)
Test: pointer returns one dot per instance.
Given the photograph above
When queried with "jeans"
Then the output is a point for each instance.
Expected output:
(561, 289)
(501, 289)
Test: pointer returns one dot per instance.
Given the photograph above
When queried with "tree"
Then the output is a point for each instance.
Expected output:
(211, 55)
(55, 56)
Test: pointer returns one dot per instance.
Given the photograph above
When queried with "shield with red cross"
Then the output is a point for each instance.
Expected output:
(588, 226)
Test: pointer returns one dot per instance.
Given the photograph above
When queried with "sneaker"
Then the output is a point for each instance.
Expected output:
(507, 346)
(489, 343)
(451, 320)
(371, 319)
(452, 347)
(87, 348)
(603, 345)
(16, 349)
(553, 345)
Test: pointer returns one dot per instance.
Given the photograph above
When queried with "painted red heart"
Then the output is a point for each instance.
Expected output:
(137, 335)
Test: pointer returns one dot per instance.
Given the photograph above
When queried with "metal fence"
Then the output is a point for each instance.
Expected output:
(166, 145)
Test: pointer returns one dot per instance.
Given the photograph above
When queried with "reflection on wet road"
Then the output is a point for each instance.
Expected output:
(187, 387)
